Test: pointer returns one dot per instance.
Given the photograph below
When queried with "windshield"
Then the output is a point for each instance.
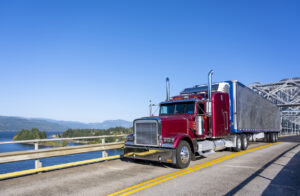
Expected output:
(177, 108)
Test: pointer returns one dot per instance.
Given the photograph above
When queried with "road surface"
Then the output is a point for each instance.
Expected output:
(271, 170)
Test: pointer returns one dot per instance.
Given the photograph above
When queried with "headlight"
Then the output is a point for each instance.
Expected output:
(169, 140)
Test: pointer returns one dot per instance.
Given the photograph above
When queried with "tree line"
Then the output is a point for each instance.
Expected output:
(30, 134)
(98, 132)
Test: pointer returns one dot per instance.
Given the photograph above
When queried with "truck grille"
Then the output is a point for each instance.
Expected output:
(146, 132)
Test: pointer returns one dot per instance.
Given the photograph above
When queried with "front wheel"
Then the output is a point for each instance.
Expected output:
(183, 155)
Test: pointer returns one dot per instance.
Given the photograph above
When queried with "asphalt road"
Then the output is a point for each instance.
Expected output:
(272, 170)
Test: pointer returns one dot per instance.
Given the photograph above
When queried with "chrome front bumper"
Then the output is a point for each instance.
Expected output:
(165, 155)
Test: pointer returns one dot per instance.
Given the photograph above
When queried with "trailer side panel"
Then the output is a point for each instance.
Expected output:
(254, 113)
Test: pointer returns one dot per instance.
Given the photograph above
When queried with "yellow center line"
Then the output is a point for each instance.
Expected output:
(150, 183)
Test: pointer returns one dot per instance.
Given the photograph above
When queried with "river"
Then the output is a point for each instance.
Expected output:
(23, 165)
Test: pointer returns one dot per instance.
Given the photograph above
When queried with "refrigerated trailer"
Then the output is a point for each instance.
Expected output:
(201, 120)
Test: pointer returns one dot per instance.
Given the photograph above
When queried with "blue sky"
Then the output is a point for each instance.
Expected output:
(91, 61)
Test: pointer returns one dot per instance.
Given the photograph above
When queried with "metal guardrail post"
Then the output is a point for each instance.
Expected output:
(37, 162)
(104, 153)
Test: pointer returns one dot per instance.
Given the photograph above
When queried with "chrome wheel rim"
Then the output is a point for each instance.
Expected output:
(184, 154)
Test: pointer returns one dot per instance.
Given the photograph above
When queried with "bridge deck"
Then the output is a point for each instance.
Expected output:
(258, 171)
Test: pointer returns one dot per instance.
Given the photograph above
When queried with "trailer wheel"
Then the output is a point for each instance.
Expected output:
(244, 142)
(276, 134)
(238, 144)
(272, 137)
(183, 155)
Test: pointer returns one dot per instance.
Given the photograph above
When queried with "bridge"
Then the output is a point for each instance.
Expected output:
(262, 169)
(268, 169)
(285, 94)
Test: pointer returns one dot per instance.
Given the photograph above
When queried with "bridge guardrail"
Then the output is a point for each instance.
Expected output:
(37, 153)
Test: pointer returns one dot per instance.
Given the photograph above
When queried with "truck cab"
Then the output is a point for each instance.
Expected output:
(183, 121)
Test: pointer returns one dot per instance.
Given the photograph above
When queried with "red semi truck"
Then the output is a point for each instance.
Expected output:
(201, 120)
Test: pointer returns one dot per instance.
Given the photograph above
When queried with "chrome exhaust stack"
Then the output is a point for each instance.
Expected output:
(168, 88)
(209, 102)
(208, 108)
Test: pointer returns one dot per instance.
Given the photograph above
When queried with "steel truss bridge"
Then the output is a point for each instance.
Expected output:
(286, 95)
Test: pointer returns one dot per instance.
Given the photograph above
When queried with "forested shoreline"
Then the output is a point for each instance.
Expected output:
(98, 132)
(34, 133)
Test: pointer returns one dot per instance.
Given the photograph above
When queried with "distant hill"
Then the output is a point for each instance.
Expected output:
(9, 123)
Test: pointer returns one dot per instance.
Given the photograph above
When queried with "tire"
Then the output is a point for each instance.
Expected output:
(244, 139)
(276, 134)
(183, 155)
(272, 137)
(238, 144)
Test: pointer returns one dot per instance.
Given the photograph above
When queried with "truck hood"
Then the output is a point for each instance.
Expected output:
(174, 125)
